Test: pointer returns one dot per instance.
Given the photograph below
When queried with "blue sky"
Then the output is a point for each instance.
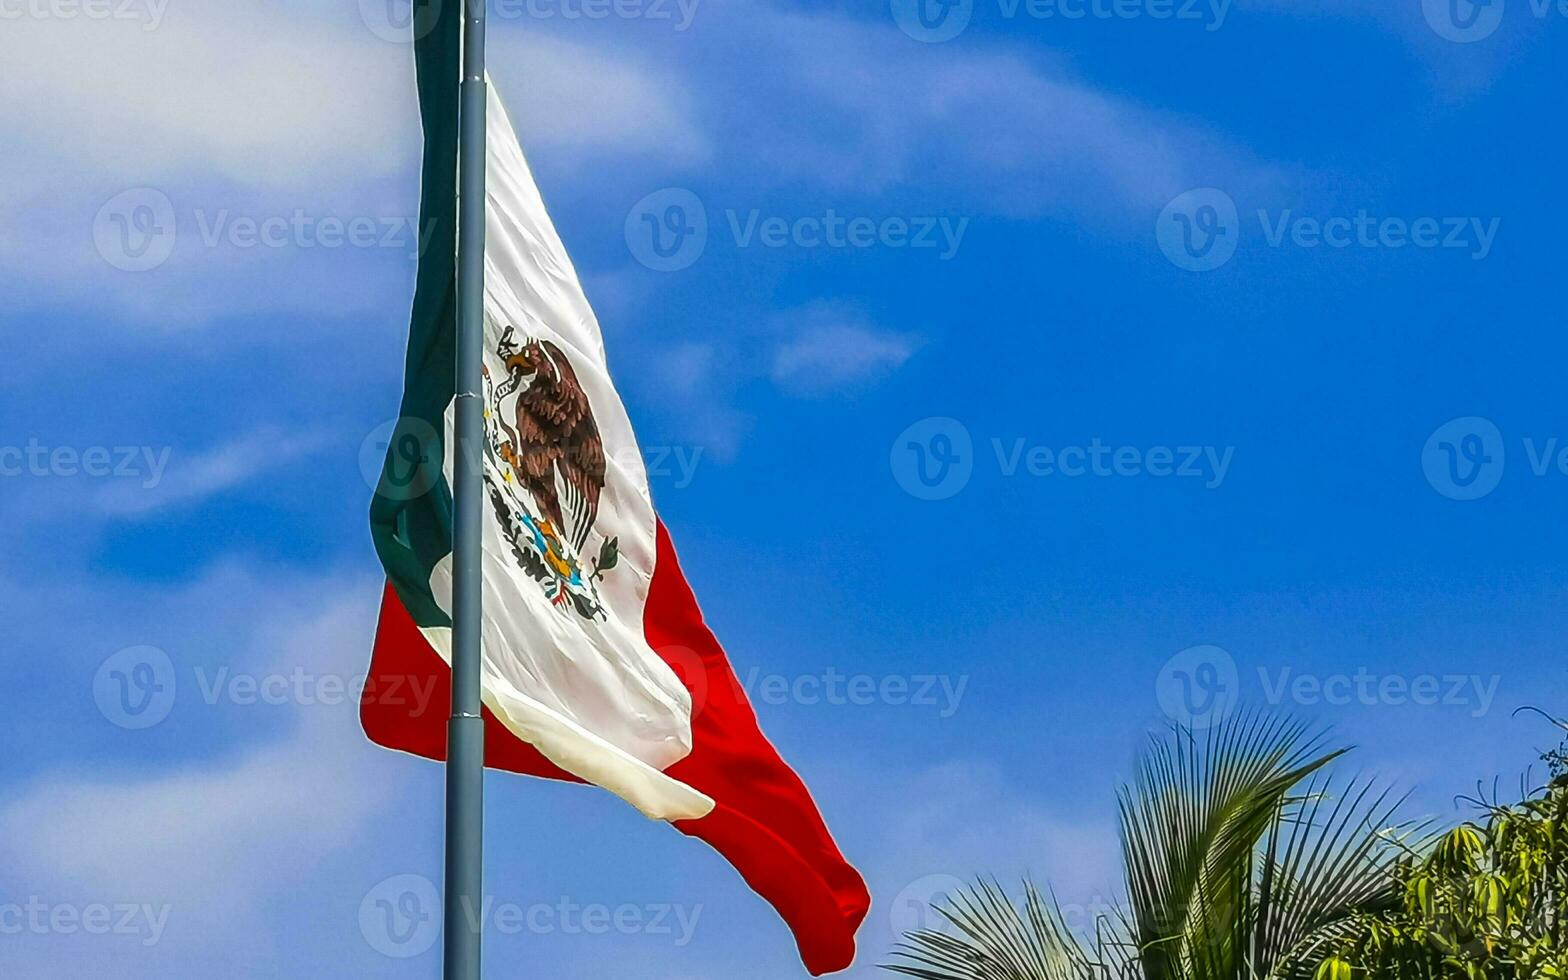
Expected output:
(1039, 485)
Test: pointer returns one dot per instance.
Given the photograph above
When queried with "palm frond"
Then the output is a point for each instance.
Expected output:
(1191, 825)
(1328, 858)
(1244, 861)
(994, 939)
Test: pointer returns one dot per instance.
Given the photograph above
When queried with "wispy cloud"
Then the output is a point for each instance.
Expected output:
(217, 837)
(696, 383)
(833, 348)
(573, 104)
(227, 116)
(193, 479)
(991, 125)
(131, 482)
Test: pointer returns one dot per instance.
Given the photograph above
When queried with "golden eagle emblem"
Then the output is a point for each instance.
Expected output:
(548, 452)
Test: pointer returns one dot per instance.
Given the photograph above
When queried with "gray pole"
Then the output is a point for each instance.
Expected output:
(465, 773)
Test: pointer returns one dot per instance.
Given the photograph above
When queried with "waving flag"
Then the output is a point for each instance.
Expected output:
(597, 666)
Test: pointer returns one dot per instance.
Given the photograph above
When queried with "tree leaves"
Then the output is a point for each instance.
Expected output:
(1488, 901)
(1243, 862)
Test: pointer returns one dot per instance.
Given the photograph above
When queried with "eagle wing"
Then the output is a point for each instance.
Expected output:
(561, 449)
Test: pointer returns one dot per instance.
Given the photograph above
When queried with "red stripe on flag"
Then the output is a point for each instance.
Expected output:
(765, 823)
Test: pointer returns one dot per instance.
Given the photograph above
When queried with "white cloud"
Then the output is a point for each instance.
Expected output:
(258, 95)
(982, 125)
(237, 112)
(570, 102)
(283, 96)
(199, 477)
(694, 383)
(134, 481)
(1454, 72)
(956, 821)
(833, 348)
(685, 368)
(213, 841)
(262, 112)
(968, 819)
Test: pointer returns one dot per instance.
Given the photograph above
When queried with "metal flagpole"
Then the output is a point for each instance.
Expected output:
(465, 732)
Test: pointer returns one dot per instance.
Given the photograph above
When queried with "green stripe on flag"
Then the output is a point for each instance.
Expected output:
(411, 522)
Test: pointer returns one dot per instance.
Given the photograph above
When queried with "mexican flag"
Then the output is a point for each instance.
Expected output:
(597, 665)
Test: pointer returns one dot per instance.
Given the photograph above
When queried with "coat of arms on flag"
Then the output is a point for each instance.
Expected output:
(596, 664)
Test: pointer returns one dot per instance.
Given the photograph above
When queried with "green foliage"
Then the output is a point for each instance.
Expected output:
(997, 940)
(1489, 902)
(1243, 862)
